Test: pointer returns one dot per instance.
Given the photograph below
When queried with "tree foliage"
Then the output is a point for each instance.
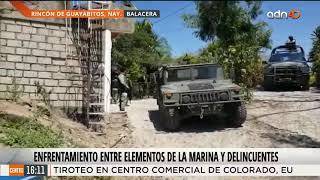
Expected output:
(235, 37)
(141, 51)
(314, 53)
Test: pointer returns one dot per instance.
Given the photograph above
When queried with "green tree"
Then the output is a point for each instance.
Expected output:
(314, 54)
(234, 35)
(142, 51)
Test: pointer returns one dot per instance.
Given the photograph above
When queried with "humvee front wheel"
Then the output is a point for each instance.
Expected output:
(236, 112)
(169, 122)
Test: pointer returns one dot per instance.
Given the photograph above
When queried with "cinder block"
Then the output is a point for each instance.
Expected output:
(54, 40)
(60, 89)
(51, 82)
(57, 103)
(38, 24)
(62, 55)
(30, 74)
(53, 68)
(23, 36)
(29, 44)
(13, 28)
(8, 50)
(59, 47)
(38, 67)
(53, 54)
(43, 31)
(38, 52)
(72, 62)
(7, 35)
(53, 97)
(49, 26)
(64, 83)
(45, 46)
(2, 27)
(58, 62)
(34, 80)
(30, 89)
(3, 42)
(3, 72)
(44, 60)
(14, 43)
(57, 33)
(23, 66)
(23, 81)
(59, 75)
(3, 87)
(25, 23)
(14, 73)
(44, 75)
(29, 30)
(8, 21)
(6, 80)
(29, 59)
(38, 38)
(15, 58)
(7, 65)
(23, 51)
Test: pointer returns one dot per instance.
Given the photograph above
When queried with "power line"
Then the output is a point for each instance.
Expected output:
(173, 13)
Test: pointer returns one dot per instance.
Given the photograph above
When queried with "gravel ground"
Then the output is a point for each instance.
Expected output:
(275, 119)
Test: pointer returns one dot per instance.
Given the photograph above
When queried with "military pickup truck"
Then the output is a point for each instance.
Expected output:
(197, 90)
(288, 67)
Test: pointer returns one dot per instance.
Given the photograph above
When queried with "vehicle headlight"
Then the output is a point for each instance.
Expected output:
(186, 99)
(224, 96)
(168, 95)
(268, 69)
(305, 69)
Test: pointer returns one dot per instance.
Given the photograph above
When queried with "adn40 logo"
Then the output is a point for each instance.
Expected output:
(293, 14)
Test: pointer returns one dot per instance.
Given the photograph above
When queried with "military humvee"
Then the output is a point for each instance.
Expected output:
(287, 66)
(197, 90)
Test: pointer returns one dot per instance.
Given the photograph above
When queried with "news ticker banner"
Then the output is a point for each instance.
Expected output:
(96, 13)
(160, 162)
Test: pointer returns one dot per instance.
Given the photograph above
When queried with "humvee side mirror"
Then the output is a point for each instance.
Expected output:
(264, 62)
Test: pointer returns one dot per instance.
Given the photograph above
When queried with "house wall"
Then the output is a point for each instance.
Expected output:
(33, 51)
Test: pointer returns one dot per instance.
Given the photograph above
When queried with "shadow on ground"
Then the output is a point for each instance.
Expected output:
(193, 124)
(297, 140)
(283, 112)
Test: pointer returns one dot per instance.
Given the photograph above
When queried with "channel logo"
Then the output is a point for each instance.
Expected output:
(293, 14)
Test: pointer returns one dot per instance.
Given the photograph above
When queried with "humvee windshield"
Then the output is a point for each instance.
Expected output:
(287, 56)
(192, 73)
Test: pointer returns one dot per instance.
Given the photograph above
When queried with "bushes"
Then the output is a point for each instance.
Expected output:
(27, 133)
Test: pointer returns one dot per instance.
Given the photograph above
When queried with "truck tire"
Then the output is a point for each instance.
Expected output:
(237, 113)
(305, 86)
(170, 123)
(267, 85)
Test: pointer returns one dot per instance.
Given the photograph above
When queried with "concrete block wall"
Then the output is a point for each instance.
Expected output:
(34, 51)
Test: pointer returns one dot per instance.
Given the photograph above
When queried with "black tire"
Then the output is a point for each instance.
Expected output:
(268, 86)
(305, 86)
(236, 113)
(170, 123)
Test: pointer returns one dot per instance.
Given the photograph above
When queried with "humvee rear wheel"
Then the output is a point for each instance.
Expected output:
(305, 86)
(171, 123)
(236, 112)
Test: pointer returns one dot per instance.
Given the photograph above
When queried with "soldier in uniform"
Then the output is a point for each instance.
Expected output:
(123, 87)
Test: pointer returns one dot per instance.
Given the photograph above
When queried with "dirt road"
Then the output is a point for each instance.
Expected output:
(275, 119)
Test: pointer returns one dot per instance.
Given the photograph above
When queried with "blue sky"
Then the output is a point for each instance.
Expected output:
(182, 40)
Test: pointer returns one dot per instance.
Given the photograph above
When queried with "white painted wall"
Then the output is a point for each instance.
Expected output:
(106, 55)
